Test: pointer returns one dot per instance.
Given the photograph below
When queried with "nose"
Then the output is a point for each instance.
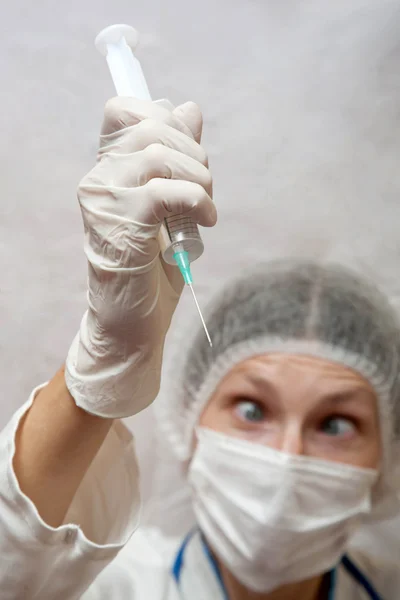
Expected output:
(292, 440)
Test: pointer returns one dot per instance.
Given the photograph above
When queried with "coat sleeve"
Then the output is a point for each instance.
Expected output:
(39, 561)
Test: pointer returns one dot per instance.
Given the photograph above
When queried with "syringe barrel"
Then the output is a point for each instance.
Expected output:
(129, 80)
(179, 229)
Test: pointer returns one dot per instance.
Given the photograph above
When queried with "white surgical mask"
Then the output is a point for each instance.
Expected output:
(274, 518)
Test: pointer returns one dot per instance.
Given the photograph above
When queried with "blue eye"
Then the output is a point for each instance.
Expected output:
(250, 411)
(337, 426)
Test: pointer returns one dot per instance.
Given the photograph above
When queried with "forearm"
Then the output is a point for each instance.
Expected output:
(55, 445)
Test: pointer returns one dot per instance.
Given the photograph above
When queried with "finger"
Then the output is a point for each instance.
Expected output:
(149, 205)
(123, 112)
(148, 132)
(164, 198)
(156, 161)
(190, 114)
(146, 207)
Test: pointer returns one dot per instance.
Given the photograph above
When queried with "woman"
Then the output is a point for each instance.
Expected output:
(287, 426)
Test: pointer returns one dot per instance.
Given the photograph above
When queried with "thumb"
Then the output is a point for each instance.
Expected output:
(191, 116)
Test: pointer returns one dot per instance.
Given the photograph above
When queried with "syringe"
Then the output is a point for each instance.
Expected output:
(179, 237)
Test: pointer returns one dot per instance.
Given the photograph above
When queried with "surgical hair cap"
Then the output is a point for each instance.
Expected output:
(295, 307)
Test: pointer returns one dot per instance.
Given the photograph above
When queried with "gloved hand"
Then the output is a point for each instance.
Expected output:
(150, 166)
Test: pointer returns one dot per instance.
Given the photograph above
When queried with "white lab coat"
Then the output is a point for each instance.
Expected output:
(94, 556)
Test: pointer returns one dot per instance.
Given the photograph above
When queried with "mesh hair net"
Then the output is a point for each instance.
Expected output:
(296, 307)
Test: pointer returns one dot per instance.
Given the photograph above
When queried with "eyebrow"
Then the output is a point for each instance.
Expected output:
(342, 396)
(259, 381)
(262, 383)
(346, 396)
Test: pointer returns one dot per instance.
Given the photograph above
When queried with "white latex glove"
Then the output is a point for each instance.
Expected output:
(150, 166)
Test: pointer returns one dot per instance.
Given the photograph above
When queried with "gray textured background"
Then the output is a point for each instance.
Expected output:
(301, 101)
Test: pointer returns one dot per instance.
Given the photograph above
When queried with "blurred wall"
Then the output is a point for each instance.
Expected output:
(301, 100)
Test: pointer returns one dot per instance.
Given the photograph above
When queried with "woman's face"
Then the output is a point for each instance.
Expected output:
(299, 405)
